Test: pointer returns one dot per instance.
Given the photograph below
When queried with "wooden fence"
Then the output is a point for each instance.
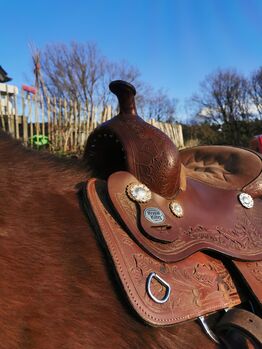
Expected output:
(64, 126)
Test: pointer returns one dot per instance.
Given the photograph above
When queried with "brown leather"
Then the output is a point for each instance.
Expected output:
(252, 275)
(224, 167)
(244, 321)
(127, 142)
(206, 184)
(213, 219)
(200, 284)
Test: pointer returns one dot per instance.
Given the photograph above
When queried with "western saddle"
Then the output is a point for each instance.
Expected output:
(183, 229)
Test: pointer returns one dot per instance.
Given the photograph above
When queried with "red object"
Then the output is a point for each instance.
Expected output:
(29, 89)
(259, 140)
(256, 143)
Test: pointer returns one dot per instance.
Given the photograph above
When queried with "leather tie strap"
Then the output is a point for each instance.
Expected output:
(249, 324)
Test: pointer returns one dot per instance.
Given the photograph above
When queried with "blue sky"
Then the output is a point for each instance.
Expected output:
(174, 44)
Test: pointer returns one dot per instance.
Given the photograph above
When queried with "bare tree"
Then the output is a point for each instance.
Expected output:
(115, 71)
(81, 73)
(256, 90)
(73, 72)
(161, 107)
(223, 97)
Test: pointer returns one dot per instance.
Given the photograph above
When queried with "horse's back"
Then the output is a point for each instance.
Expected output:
(56, 288)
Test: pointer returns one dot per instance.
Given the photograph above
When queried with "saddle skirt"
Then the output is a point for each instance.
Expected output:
(157, 262)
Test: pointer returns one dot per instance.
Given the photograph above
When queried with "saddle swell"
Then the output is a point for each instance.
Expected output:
(127, 142)
(183, 229)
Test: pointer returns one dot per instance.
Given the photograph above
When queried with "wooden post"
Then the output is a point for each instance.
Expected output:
(1, 114)
(88, 125)
(48, 123)
(103, 115)
(86, 120)
(109, 112)
(17, 135)
(169, 130)
(36, 116)
(71, 121)
(80, 127)
(25, 129)
(30, 119)
(66, 126)
(60, 130)
(9, 120)
(24, 120)
(54, 133)
(180, 135)
(93, 117)
(43, 115)
(173, 133)
(23, 102)
(165, 129)
(75, 125)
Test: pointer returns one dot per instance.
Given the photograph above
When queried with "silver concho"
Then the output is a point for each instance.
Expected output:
(138, 192)
(176, 209)
(246, 200)
(154, 215)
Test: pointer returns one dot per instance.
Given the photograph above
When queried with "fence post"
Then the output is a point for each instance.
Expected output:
(9, 119)
(36, 116)
(75, 126)
(43, 114)
(30, 119)
(23, 120)
(25, 129)
(17, 135)
(60, 125)
(54, 133)
(1, 114)
(48, 123)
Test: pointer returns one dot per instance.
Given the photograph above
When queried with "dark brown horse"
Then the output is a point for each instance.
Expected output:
(57, 289)
(57, 286)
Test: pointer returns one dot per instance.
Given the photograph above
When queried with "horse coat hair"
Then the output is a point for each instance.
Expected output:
(57, 287)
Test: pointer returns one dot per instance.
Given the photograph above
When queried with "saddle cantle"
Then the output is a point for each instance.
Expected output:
(183, 229)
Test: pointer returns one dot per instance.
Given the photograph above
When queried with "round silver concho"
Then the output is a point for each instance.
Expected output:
(154, 215)
(176, 209)
(138, 192)
(246, 200)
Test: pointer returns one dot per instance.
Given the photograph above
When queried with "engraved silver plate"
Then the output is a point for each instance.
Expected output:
(246, 200)
(138, 192)
(176, 209)
(154, 215)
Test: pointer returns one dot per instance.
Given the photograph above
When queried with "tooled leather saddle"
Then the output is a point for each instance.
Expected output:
(183, 229)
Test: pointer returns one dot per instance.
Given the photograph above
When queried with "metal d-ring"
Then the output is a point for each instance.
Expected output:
(162, 282)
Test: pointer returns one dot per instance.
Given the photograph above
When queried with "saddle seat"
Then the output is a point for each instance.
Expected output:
(191, 247)
(224, 167)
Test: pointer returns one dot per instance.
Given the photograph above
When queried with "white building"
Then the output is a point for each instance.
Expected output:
(7, 93)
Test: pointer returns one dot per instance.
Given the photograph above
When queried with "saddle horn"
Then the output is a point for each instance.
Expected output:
(128, 143)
